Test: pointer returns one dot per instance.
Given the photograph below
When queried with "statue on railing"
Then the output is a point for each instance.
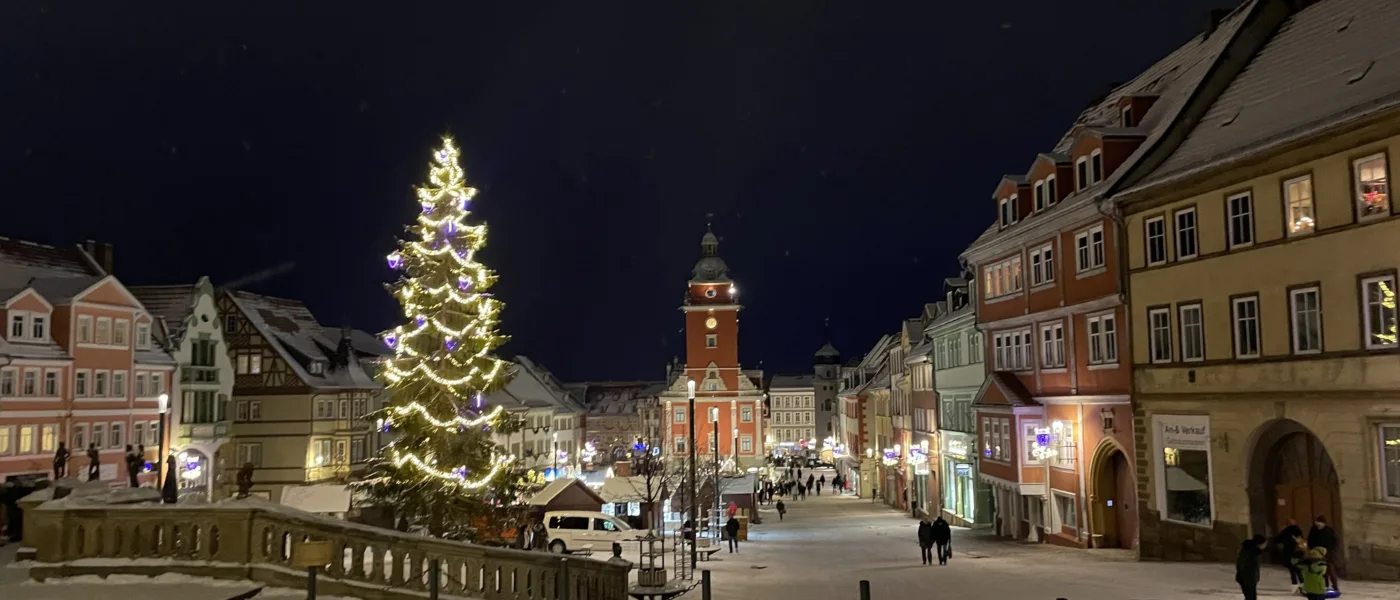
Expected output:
(60, 462)
(244, 479)
(94, 462)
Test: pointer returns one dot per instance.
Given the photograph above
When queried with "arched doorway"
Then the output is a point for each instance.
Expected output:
(1114, 498)
(1292, 476)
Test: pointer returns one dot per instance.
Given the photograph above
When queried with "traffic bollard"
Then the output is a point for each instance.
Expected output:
(865, 589)
(705, 585)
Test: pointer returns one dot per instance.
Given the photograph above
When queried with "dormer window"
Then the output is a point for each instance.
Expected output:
(1050, 191)
(1081, 172)
(1040, 197)
(143, 335)
(318, 367)
(1009, 214)
(1096, 165)
(28, 326)
(1128, 117)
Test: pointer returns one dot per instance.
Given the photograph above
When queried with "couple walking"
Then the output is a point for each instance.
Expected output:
(935, 533)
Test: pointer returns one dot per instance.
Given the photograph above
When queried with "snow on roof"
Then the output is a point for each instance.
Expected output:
(618, 398)
(323, 499)
(556, 487)
(829, 350)
(171, 303)
(21, 261)
(1332, 62)
(628, 489)
(293, 331)
(789, 382)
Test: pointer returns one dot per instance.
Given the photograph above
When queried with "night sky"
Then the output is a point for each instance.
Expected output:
(848, 149)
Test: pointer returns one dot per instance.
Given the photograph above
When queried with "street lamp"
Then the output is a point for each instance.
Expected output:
(714, 425)
(694, 497)
(164, 408)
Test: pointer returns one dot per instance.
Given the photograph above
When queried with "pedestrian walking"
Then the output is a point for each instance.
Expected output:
(801, 491)
(943, 537)
(811, 481)
(731, 531)
(799, 475)
(925, 541)
(1323, 536)
(821, 482)
(60, 462)
(782, 510)
(1247, 564)
(1314, 570)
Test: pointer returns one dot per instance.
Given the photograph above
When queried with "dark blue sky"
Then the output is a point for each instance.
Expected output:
(848, 149)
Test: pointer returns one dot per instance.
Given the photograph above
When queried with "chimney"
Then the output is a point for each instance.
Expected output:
(1213, 19)
(343, 354)
(101, 253)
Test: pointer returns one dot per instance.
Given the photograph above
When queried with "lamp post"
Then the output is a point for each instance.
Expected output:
(714, 426)
(164, 408)
(694, 475)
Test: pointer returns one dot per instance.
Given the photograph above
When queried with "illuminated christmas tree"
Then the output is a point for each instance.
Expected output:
(442, 473)
(1388, 303)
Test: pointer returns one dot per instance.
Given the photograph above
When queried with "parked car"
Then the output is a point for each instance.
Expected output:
(571, 530)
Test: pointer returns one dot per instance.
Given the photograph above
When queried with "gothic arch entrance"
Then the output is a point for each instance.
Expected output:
(1291, 475)
(1113, 499)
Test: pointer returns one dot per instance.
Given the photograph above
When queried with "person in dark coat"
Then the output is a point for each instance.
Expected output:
(94, 462)
(731, 531)
(1323, 536)
(811, 481)
(1289, 543)
(60, 462)
(132, 468)
(926, 541)
(1247, 565)
(943, 537)
(782, 510)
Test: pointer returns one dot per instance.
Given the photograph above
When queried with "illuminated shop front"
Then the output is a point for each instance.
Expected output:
(965, 497)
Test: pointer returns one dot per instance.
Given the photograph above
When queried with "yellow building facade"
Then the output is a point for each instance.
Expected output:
(1267, 377)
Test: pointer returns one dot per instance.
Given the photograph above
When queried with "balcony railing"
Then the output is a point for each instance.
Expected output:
(205, 431)
(254, 539)
(192, 374)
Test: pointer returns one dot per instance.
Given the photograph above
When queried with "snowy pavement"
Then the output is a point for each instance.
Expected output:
(826, 545)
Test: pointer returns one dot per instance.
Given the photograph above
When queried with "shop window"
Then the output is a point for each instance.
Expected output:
(1066, 511)
(1183, 468)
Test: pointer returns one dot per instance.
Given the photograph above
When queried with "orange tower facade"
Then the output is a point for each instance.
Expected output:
(728, 402)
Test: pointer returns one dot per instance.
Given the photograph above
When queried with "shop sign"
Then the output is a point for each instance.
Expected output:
(890, 457)
(1185, 432)
(921, 468)
(957, 448)
(917, 456)
(1044, 444)
(962, 469)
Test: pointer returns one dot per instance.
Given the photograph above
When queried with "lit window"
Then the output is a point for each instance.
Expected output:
(1390, 461)
(1297, 193)
(1378, 294)
(1372, 187)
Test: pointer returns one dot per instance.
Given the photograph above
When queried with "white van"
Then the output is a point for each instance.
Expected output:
(572, 530)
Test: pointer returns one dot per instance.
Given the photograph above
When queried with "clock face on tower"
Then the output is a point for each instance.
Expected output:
(711, 323)
(711, 293)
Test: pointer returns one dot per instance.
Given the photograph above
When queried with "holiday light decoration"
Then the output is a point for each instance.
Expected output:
(443, 471)
(1388, 303)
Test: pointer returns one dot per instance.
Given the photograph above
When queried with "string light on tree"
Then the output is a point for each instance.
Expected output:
(443, 472)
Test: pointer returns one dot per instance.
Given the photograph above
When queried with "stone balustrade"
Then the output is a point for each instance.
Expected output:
(255, 540)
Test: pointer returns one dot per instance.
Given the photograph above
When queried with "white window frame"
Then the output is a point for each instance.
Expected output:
(143, 335)
(1295, 315)
(1155, 243)
(1187, 354)
(140, 384)
(86, 331)
(116, 434)
(678, 444)
(746, 444)
(1246, 217)
(51, 384)
(1186, 233)
(82, 383)
(1236, 320)
(1127, 116)
(18, 326)
(1094, 254)
(1102, 330)
(38, 327)
(1290, 186)
(48, 437)
(29, 382)
(1028, 441)
(1386, 483)
(1043, 265)
(28, 436)
(679, 414)
(1357, 191)
(1096, 170)
(1051, 190)
(1081, 173)
(80, 438)
(711, 340)
(121, 330)
(1003, 278)
(101, 384)
(1159, 335)
(97, 336)
(1056, 497)
(255, 410)
(9, 382)
(118, 384)
(152, 433)
(250, 453)
(7, 440)
(745, 414)
(1371, 341)
(1040, 196)
(1052, 345)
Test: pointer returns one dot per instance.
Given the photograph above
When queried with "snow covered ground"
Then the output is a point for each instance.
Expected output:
(821, 551)
(826, 545)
